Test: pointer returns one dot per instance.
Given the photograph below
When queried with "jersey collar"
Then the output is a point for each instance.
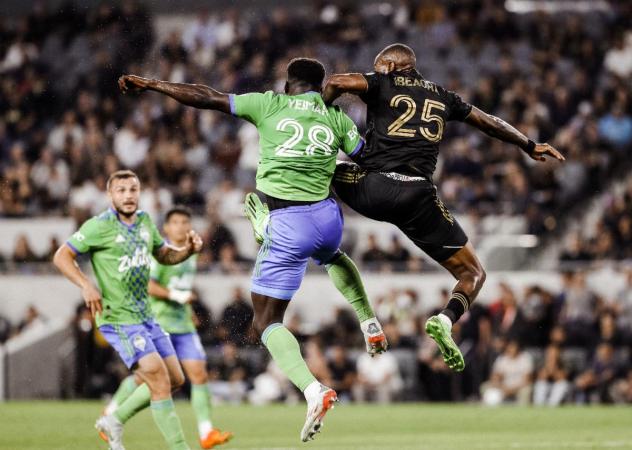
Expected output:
(129, 226)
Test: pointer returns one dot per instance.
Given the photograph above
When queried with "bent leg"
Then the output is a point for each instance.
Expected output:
(465, 266)
(153, 371)
(195, 371)
(280, 342)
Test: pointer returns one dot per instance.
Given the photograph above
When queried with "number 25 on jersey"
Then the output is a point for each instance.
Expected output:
(397, 127)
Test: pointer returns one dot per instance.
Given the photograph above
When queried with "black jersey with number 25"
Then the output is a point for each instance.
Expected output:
(406, 117)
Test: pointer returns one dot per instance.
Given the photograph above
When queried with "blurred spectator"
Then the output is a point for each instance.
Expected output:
(397, 254)
(616, 127)
(5, 329)
(622, 307)
(579, 311)
(378, 378)
(552, 381)
(22, 252)
(538, 314)
(621, 391)
(342, 371)
(507, 319)
(228, 376)
(373, 256)
(32, 319)
(236, 318)
(591, 386)
(618, 59)
(511, 377)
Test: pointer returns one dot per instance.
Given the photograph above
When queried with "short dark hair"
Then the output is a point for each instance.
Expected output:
(306, 70)
(178, 209)
(120, 175)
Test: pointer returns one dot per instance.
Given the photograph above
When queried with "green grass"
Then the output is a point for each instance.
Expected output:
(69, 426)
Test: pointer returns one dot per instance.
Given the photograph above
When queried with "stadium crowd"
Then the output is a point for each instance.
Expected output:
(536, 346)
(563, 78)
(64, 125)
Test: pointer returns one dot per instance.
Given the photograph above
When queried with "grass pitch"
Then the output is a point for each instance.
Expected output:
(69, 426)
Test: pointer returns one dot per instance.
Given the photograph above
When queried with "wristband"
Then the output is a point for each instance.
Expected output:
(530, 146)
(179, 296)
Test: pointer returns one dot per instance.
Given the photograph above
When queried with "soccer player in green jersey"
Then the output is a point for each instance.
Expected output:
(171, 291)
(120, 242)
(299, 138)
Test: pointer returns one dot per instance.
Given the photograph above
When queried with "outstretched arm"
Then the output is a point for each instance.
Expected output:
(497, 128)
(196, 95)
(169, 255)
(352, 83)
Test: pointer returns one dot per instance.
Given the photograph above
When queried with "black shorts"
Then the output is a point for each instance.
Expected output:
(408, 203)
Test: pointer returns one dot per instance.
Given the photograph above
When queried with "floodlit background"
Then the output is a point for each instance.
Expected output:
(556, 239)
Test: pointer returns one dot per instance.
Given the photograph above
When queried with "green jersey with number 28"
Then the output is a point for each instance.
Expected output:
(299, 138)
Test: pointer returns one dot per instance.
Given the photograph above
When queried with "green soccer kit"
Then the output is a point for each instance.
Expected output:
(121, 257)
(299, 138)
(172, 316)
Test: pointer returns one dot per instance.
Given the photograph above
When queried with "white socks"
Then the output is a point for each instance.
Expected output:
(204, 428)
(445, 319)
(312, 391)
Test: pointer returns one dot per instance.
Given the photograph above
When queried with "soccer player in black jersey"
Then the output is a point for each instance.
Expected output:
(392, 180)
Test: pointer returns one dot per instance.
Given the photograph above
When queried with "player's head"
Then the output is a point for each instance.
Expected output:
(304, 74)
(177, 223)
(123, 187)
(395, 57)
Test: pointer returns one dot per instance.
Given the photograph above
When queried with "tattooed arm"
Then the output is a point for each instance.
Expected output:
(169, 255)
(497, 128)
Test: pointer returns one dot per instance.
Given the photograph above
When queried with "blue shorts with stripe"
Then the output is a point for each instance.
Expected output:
(188, 346)
(132, 342)
(292, 236)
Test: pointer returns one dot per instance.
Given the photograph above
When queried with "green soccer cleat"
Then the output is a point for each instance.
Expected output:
(258, 214)
(442, 335)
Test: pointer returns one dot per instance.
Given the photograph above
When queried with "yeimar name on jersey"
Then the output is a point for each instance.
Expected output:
(299, 138)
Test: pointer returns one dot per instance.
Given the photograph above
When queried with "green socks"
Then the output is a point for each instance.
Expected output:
(136, 402)
(286, 352)
(168, 422)
(345, 276)
(125, 389)
(201, 403)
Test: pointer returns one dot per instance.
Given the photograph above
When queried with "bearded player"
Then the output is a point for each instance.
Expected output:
(392, 181)
(120, 242)
(299, 138)
(171, 294)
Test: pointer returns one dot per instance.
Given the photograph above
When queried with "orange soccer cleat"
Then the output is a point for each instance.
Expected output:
(215, 437)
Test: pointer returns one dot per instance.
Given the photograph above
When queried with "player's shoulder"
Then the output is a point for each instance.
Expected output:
(101, 219)
(270, 95)
(144, 217)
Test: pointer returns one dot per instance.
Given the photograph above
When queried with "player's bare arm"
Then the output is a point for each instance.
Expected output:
(497, 128)
(170, 255)
(196, 95)
(65, 261)
(344, 83)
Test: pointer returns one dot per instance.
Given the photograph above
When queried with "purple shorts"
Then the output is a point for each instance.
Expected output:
(188, 346)
(132, 342)
(294, 235)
